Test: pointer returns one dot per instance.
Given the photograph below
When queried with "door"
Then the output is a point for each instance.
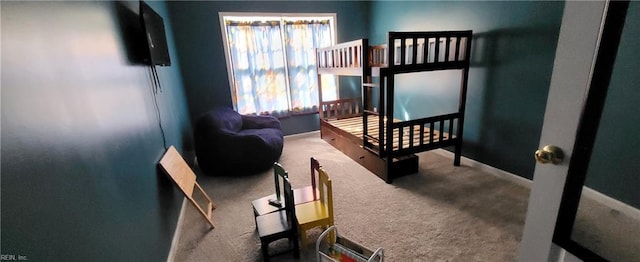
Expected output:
(586, 49)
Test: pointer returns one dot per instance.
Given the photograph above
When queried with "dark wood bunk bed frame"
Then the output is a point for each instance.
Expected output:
(388, 150)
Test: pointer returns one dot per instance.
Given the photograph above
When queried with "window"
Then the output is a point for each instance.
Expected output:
(271, 61)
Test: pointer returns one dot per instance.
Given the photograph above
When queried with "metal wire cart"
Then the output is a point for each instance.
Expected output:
(332, 247)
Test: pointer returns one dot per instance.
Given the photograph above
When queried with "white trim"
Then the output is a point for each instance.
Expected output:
(612, 203)
(333, 17)
(489, 169)
(302, 134)
(603, 199)
(227, 54)
(176, 234)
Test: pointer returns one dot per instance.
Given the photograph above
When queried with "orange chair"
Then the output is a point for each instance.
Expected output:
(318, 213)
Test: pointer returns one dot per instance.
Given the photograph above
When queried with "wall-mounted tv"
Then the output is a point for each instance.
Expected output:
(155, 35)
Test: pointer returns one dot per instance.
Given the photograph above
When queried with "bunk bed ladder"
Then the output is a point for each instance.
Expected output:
(369, 141)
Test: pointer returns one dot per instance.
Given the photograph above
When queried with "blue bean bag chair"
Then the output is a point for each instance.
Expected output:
(228, 143)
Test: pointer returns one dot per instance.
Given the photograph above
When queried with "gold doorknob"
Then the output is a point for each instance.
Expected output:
(549, 154)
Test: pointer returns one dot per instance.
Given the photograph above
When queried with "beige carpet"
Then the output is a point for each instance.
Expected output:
(442, 213)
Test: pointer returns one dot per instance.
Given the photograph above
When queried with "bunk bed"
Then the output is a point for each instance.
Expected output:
(364, 127)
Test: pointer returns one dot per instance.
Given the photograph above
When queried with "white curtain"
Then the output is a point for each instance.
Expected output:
(258, 53)
(302, 37)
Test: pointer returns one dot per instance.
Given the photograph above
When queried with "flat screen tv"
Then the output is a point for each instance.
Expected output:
(155, 35)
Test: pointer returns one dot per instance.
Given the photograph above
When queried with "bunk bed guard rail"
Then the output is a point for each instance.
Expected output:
(416, 52)
(342, 59)
(435, 50)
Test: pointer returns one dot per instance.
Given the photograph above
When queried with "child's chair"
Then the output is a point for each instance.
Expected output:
(318, 213)
(309, 193)
(273, 202)
(306, 194)
(280, 224)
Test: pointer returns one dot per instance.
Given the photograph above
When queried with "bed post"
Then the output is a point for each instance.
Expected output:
(319, 85)
(389, 86)
(381, 114)
(366, 75)
(389, 132)
(463, 95)
(366, 95)
(463, 99)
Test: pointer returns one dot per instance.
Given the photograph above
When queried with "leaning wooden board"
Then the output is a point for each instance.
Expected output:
(179, 171)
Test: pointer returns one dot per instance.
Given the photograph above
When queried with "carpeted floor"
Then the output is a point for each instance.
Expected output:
(442, 213)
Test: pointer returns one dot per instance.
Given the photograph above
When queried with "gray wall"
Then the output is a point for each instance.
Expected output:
(81, 138)
(199, 43)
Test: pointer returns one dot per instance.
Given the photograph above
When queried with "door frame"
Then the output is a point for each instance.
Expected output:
(613, 25)
(580, 56)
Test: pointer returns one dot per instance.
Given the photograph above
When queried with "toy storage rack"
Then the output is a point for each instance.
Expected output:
(339, 247)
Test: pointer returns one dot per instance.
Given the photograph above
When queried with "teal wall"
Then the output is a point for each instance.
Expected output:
(514, 47)
(512, 59)
(81, 139)
(614, 165)
(199, 43)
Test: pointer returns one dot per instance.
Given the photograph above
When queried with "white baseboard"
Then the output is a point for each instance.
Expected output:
(487, 168)
(612, 203)
(177, 233)
(586, 192)
(303, 134)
